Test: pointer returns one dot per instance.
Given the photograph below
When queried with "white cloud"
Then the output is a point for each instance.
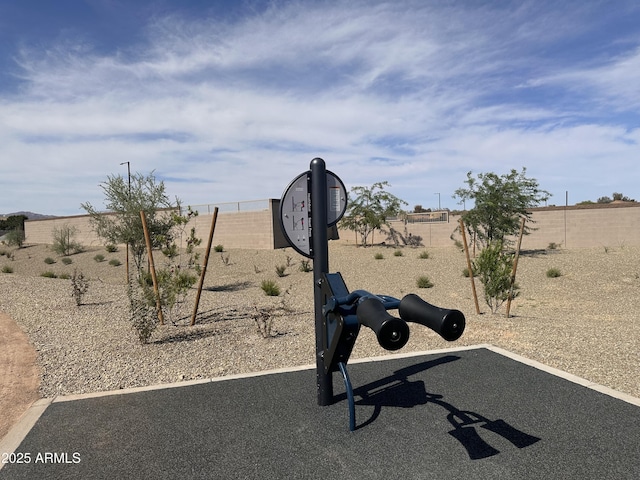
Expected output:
(414, 93)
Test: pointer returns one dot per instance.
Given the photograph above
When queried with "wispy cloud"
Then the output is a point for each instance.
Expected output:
(413, 92)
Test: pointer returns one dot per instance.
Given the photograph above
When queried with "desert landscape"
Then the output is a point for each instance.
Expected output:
(584, 322)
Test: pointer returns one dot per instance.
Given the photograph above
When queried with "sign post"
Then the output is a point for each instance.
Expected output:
(314, 201)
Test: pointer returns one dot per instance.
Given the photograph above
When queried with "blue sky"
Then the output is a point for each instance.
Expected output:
(230, 100)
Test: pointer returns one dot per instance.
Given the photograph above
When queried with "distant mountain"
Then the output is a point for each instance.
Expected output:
(29, 215)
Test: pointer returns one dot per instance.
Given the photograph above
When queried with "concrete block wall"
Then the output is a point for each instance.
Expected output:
(252, 229)
(572, 227)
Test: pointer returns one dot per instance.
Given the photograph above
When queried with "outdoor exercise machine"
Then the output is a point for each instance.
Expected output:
(312, 203)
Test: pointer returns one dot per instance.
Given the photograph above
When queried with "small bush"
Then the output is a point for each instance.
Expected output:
(144, 317)
(553, 273)
(553, 246)
(15, 238)
(305, 266)
(99, 258)
(64, 276)
(226, 261)
(424, 255)
(7, 269)
(398, 253)
(64, 242)
(493, 266)
(424, 282)
(465, 272)
(218, 248)
(378, 256)
(49, 261)
(270, 288)
(111, 248)
(79, 286)
(280, 270)
(114, 262)
(48, 274)
(66, 260)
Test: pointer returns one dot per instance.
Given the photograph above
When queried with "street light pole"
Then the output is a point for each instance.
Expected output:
(129, 200)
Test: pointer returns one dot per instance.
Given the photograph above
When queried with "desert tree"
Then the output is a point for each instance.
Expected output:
(121, 223)
(500, 201)
(369, 208)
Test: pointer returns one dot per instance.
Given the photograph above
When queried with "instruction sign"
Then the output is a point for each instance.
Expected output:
(295, 209)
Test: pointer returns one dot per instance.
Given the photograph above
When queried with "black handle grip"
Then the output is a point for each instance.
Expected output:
(449, 324)
(392, 332)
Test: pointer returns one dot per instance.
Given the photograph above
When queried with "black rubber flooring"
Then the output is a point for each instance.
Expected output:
(469, 414)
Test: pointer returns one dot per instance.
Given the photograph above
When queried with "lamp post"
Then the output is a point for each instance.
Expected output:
(129, 200)
(438, 201)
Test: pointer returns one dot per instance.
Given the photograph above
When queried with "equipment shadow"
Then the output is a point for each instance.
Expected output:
(398, 391)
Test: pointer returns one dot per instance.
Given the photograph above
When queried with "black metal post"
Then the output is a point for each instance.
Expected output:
(324, 381)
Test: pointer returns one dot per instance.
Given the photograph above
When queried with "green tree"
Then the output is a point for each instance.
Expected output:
(166, 224)
(15, 225)
(499, 201)
(369, 208)
(121, 224)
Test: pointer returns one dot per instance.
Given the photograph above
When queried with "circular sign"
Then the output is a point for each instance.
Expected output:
(295, 215)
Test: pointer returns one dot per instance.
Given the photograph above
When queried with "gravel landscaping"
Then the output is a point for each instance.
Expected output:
(586, 321)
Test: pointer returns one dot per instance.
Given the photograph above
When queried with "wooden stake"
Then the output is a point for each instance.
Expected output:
(152, 268)
(469, 267)
(204, 267)
(515, 265)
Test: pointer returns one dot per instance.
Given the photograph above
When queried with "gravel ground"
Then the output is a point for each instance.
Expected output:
(585, 322)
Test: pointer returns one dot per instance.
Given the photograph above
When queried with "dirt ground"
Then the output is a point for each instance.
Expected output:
(19, 375)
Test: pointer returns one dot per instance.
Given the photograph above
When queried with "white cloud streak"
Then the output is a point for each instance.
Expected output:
(410, 92)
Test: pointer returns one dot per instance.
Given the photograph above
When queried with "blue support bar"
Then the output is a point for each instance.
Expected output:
(349, 389)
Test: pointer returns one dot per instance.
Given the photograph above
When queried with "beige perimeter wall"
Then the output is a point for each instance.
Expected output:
(572, 227)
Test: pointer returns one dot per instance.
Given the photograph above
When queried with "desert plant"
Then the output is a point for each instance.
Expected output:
(553, 246)
(144, 317)
(398, 253)
(225, 259)
(378, 256)
(499, 204)
(305, 266)
(7, 269)
(49, 261)
(264, 321)
(15, 238)
(111, 248)
(270, 288)
(493, 266)
(466, 274)
(79, 286)
(281, 270)
(63, 240)
(114, 262)
(99, 258)
(218, 248)
(48, 274)
(369, 208)
(424, 255)
(553, 273)
(424, 282)
(124, 199)
(66, 260)
(64, 276)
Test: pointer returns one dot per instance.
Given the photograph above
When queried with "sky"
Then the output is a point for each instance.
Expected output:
(228, 101)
